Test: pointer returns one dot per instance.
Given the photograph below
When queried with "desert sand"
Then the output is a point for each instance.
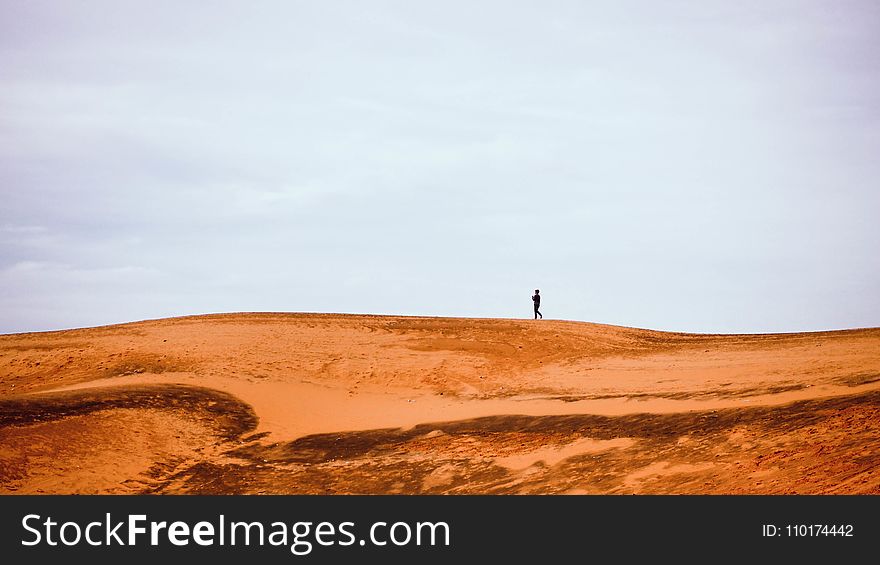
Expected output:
(327, 403)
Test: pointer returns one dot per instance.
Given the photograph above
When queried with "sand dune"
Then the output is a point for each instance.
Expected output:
(313, 403)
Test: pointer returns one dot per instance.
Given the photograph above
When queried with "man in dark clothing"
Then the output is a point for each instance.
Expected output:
(537, 300)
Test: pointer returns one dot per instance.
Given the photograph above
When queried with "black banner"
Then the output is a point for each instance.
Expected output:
(435, 529)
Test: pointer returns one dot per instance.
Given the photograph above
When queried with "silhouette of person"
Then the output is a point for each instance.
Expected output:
(537, 300)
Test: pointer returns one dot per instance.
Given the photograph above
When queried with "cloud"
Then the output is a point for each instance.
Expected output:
(703, 167)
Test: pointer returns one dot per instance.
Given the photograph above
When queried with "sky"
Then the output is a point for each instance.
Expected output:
(689, 166)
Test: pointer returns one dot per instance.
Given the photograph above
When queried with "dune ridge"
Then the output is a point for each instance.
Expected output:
(334, 403)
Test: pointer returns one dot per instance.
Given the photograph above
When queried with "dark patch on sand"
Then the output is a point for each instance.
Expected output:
(689, 395)
(320, 448)
(229, 416)
(669, 453)
(858, 379)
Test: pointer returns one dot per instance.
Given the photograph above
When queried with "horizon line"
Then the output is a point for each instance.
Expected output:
(373, 315)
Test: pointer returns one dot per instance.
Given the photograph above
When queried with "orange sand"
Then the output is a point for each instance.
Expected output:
(290, 403)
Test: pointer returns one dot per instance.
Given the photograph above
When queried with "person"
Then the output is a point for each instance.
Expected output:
(537, 300)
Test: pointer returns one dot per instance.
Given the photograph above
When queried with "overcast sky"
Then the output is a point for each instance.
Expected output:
(704, 166)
